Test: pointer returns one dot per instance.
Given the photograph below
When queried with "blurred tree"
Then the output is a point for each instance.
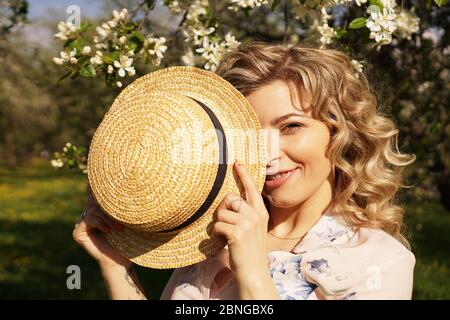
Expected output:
(413, 81)
(12, 13)
(26, 111)
(411, 77)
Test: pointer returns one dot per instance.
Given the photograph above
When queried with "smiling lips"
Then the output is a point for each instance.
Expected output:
(278, 179)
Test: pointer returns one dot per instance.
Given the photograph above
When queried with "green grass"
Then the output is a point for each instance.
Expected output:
(429, 223)
(38, 210)
(39, 207)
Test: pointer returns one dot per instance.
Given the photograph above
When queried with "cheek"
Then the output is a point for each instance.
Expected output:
(309, 149)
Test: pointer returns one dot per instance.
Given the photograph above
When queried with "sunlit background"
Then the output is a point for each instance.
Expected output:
(38, 116)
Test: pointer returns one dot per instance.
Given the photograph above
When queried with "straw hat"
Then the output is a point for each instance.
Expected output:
(162, 160)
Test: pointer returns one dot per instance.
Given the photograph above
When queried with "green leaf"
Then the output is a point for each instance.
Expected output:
(246, 12)
(135, 44)
(84, 26)
(88, 71)
(440, 3)
(132, 46)
(377, 3)
(215, 38)
(78, 44)
(108, 59)
(358, 23)
(110, 79)
(138, 35)
(83, 59)
(341, 33)
(81, 150)
(275, 3)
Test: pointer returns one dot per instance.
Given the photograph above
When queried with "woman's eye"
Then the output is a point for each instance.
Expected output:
(292, 126)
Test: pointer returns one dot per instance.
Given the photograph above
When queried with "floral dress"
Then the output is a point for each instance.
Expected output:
(332, 261)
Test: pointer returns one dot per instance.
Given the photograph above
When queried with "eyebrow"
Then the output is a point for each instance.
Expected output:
(285, 117)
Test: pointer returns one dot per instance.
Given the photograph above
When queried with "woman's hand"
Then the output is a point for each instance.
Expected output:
(244, 225)
(88, 234)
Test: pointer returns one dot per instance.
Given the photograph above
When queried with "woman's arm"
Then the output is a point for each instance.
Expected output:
(257, 286)
(122, 283)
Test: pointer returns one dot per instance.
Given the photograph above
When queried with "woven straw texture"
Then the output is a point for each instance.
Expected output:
(154, 158)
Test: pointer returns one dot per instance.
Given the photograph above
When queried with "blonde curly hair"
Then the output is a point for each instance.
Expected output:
(368, 167)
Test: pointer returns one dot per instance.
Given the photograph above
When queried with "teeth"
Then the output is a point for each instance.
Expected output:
(277, 176)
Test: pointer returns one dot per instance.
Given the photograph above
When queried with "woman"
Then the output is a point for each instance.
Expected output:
(326, 225)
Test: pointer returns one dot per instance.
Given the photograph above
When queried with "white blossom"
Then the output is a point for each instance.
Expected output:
(381, 24)
(324, 15)
(357, 65)
(433, 34)
(309, 8)
(86, 50)
(446, 51)
(244, 4)
(211, 52)
(230, 41)
(57, 163)
(424, 86)
(389, 4)
(188, 58)
(119, 84)
(407, 108)
(122, 39)
(120, 16)
(102, 32)
(407, 23)
(360, 2)
(177, 7)
(66, 57)
(97, 59)
(123, 14)
(200, 33)
(155, 47)
(66, 30)
(58, 61)
(110, 69)
(327, 34)
(197, 9)
(124, 64)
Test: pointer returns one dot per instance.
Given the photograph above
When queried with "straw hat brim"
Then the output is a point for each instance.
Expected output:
(195, 242)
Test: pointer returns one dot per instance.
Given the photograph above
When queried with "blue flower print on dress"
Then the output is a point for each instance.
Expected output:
(320, 266)
(288, 279)
(330, 228)
(350, 296)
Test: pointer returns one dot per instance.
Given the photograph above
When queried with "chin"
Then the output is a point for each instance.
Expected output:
(282, 199)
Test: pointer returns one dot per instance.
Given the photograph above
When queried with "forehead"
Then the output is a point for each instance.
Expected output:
(276, 99)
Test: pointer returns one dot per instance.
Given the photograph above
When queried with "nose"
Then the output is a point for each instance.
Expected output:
(273, 150)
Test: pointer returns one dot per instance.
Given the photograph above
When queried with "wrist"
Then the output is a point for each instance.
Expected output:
(115, 261)
(113, 268)
(250, 277)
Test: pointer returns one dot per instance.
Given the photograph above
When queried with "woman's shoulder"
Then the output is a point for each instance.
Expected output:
(383, 245)
(367, 262)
